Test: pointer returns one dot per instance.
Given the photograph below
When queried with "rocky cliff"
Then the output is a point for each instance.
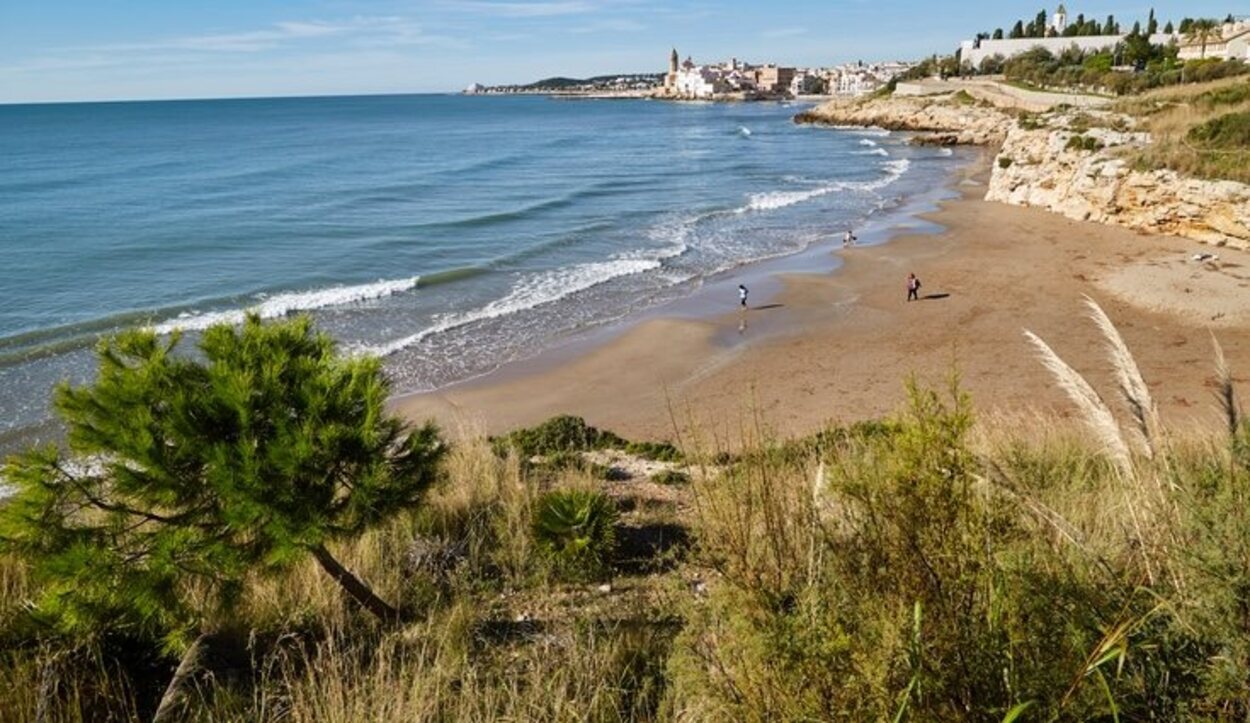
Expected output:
(1076, 162)
(1084, 174)
(936, 121)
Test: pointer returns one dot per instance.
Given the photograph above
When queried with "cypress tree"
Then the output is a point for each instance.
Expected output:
(1152, 24)
(1017, 30)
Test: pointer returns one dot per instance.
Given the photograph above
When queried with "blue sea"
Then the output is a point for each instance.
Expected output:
(448, 234)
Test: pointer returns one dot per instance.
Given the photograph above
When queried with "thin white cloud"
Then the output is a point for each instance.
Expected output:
(784, 32)
(498, 8)
(609, 26)
(374, 29)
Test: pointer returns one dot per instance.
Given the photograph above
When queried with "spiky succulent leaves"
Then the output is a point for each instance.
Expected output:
(576, 529)
(191, 471)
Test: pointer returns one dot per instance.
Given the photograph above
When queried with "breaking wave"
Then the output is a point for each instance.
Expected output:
(290, 302)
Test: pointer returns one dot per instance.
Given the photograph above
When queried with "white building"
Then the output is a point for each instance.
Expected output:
(974, 51)
(700, 81)
(1232, 41)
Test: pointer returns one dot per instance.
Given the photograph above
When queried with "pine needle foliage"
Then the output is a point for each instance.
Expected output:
(185, 473)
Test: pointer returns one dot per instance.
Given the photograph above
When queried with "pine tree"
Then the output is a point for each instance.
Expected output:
(1109, 28)
(998, 34)
(1185, 25)
(192, 471)
(1039, 25)
(1168, 29)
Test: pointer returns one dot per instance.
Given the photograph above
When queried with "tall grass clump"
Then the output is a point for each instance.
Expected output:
(878, 577)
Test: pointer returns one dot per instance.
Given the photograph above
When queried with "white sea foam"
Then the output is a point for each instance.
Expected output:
(528, 293)
(744, 131)
(893, 171)
(868, 142)
(873, 152)
(774, 200)
(863, 131)
(286, 303)
(946, 152)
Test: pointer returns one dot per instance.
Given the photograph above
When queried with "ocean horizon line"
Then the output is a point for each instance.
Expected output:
(214, 99)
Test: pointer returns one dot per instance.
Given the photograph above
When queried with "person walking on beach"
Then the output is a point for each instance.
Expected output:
(848, 239)
(742, 295)
(913, 288)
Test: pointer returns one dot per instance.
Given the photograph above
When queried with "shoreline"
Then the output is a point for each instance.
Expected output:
(836, 345)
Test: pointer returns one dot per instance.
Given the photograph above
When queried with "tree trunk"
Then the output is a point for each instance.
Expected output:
(359, 591)
(174, 701)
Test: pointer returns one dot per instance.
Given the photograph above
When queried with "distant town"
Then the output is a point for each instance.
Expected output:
(729, 80)
(1098, 46)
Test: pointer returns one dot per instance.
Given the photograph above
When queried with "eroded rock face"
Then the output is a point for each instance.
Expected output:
(1040, 165)
(1044, 168)
(938, 121)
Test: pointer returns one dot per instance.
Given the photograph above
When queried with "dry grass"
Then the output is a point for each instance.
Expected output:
(1170, 114)
(924, 567)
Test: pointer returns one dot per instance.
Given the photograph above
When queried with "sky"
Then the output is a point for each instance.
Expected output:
(83, 50)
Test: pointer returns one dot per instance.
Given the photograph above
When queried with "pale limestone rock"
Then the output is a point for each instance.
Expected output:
(1099, 186)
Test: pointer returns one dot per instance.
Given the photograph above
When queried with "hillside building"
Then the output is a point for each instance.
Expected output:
(1231, 42)
(972, 52)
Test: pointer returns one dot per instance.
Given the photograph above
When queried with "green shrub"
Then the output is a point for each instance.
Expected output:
(671, 477)
(1231, 95)
(1083, 143)
(1005, 162)
(576, 531)
(1227, 132)
(655, 451)
(1030, 122)
(564, 433)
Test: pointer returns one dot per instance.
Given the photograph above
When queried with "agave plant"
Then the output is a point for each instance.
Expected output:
(575, 529)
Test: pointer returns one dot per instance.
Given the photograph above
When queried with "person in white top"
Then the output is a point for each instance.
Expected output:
(848, 239)
(742, 295)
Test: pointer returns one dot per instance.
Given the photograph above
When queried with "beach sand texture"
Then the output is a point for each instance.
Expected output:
(838, 347)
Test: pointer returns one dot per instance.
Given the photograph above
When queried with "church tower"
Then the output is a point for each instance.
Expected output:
(1060, 20)
(670, 80)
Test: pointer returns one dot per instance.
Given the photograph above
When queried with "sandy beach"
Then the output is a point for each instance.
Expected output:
(837, 347)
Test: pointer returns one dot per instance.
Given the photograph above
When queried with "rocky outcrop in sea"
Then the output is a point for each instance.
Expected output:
(946, 121)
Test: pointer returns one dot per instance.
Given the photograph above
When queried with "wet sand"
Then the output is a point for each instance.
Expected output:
(837, 347)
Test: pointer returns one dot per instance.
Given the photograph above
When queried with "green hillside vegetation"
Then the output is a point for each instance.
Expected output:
(1198, 131)
(563, 83)
(929, 566)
